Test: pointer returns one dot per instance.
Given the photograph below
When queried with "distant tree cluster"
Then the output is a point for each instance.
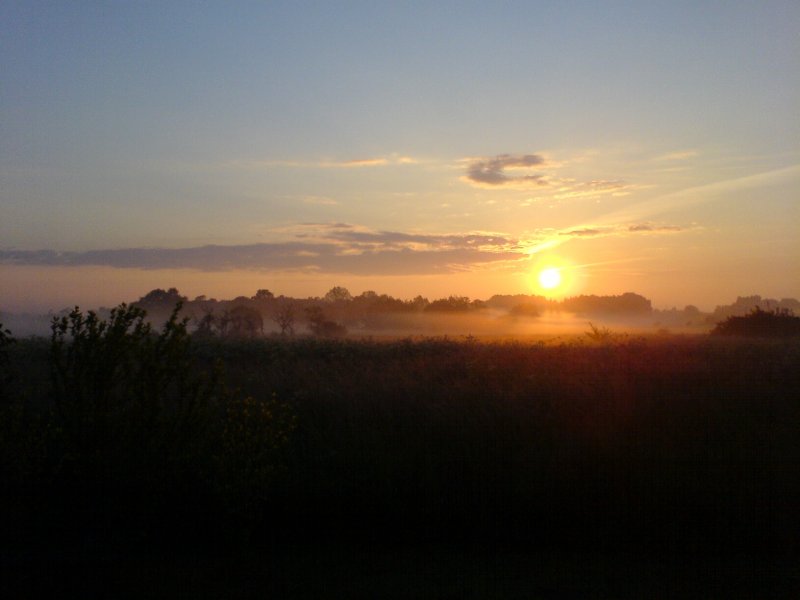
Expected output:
(627, 304)
(455, 304)
(745, 304)
(339, 311)
(160, 300)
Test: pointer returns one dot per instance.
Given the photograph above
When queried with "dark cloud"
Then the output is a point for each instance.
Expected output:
(336, 248)
(586, 232)
(492, 171)
(396, 238)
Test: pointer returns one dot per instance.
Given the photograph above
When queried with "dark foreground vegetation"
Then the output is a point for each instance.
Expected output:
(296, 458)
(775, 323)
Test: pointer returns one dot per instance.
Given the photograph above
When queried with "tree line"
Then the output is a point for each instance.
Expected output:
(338, 310)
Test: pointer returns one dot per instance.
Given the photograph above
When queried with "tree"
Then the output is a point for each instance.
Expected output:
(206, 324)
(159, 296)
(450, 304)
(284, 317)
(338, 294)
(244, 321)
(320, 326)
(419, 304)
(160, 300)
(262, 295)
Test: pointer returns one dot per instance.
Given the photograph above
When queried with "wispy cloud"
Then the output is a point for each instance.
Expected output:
(570, 188)
(360, 162)
(620, 230)
(353, 163)
(650, 228)
(583, 232)
(703, 194)
(535, 171)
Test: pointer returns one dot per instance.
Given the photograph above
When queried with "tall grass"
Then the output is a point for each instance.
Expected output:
(662, 444)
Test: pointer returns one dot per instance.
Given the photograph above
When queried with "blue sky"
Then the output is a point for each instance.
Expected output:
(408, 148)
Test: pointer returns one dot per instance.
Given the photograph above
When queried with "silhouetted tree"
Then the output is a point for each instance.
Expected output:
(284, 317)
(320, 326)
(206, 324)
(450, 304)
(419, 303)
(625, 304)
(262, 295)
(160, 300)
(244, 321)
(338, 294)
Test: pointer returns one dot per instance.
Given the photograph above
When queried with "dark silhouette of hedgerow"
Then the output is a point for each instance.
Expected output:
(775, 323)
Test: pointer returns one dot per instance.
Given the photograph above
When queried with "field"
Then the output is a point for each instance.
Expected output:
(431, 467)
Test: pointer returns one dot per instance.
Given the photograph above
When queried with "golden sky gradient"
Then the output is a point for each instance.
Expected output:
(413, 149)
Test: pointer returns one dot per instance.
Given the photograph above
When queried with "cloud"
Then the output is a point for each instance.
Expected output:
(362, 162)
(333, 248)
(706, 193)
(492, 172)
(341, 248)
(501, 172)
(648, 227)
(356, 238)
(620, 230)
(585, 232)
(570, 188)
(357, 163)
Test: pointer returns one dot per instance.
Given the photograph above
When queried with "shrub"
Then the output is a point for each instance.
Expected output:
(120, 390)
(5, 371)
(778, 322)
(599, 334)
(137, 437)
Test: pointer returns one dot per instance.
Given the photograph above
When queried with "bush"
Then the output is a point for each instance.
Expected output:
(136, 438)
(121, 392)
(5, 371)
(780, 323)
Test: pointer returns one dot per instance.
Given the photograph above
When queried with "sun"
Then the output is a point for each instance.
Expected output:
(550, 278)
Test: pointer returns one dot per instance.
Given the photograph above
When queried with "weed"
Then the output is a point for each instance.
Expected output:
(599, 334)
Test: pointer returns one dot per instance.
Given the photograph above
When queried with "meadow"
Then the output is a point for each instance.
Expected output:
(129, 445)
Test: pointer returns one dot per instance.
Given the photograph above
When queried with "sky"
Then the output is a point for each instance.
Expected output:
(409, 148)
